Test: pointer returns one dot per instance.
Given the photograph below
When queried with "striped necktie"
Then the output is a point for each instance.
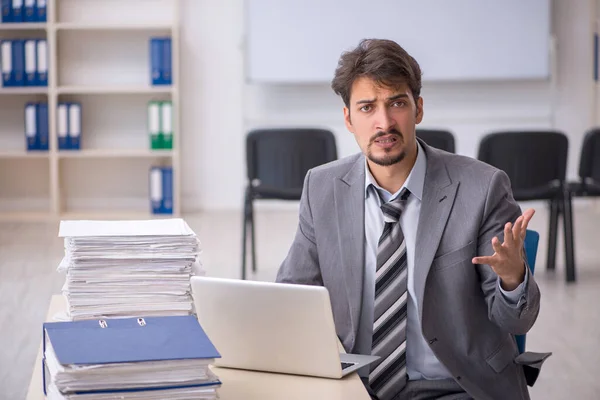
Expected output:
(388, 374)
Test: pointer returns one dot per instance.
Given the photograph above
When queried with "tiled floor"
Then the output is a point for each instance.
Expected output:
(568, 325)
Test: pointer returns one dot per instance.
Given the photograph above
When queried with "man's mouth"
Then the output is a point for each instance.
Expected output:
(386, 139)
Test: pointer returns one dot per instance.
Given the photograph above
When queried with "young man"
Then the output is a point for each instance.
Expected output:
(421, 250)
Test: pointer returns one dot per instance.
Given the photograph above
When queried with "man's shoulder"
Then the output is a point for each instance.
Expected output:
(460, 166)
(337, 168)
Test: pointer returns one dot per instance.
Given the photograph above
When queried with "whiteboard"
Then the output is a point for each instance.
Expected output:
(300, 41)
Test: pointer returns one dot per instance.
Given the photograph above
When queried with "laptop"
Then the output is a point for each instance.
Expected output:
(273, 327)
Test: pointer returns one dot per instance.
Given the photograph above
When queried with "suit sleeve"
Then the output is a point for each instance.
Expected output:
(514, 317)
(301, 265)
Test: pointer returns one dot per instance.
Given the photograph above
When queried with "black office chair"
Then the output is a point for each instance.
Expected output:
(589, 166)
(277, 163)
(536, 163)
(438, 138)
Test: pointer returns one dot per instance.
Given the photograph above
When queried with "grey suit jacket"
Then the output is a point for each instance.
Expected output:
(466, 320)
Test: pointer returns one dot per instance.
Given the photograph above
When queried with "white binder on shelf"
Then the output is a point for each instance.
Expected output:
(62, 128)
(156, 190)
(42, 62)
(31, 62)
(154, 125)
(31, 129)
(7, 64)
(74, 134)
(167, 124)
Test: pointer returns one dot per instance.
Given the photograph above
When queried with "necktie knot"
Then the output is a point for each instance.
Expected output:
(393, 209)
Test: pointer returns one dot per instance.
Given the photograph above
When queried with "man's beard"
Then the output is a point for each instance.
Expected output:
(387, 159)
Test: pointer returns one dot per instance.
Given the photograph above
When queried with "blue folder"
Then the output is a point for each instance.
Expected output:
(6, 10)
(30, 11)
(42, 126)
(7, 63)
(41, 10)
(18, 62)
(167, 69)
(124, 340)
(167, 184)
(17, 11)
(156, 67)
(32, 131)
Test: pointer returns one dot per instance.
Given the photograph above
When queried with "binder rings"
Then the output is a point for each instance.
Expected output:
(42, 62)
(41, 10)
(31, 63)
(166, 122)
(7, 64)
(74, 133)
(6, 10)
(31, 129)
(30, 11)
(42, 125)
(128, 340)
(18, 62)
(62, 128)
(17, 11)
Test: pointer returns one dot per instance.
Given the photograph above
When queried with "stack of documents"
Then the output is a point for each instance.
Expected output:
(128, 268)
(131, 358)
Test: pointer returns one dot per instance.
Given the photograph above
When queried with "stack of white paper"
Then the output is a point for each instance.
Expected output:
(128, 268)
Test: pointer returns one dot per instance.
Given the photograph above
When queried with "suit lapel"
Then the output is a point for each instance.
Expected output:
(349, 199)
(439, 193)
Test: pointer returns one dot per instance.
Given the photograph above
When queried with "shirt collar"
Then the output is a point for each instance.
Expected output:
(415, 181)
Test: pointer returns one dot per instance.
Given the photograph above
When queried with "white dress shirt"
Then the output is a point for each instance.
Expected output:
(421, 362)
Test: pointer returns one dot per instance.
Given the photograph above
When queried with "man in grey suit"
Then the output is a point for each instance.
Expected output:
(421, 250)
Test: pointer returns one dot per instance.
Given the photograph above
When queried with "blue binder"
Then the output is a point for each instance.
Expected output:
(128, 340)
(17, 10)
(31, 126)
(155, 185)
(74, 132)
(42, 62)
(6, 10)
(156, 67)
(30, 11)
(43, 127)
(31, 75)
(167, 187)
(7, 63)
(167, 70)
(62, 126)
(18, 62)
(41, 10)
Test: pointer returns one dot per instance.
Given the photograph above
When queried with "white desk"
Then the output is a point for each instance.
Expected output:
(243, 385)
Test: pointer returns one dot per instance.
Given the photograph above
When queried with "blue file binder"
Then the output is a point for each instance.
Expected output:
(6, 10)
(43, 127)
(42, 62)
(17, 10)
(18, 62)
(41, 10)
(7, 64)
(31, 126)
(156, 75)
(31, 62)
(62, 125)
(74, 132)
(155, 183)
(167, 75)
(167, 184)
(128, 340)
(30, 11)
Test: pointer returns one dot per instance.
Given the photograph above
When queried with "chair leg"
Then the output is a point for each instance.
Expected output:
(252, 236)
(244, 235)
(569, 237)
(552, 234)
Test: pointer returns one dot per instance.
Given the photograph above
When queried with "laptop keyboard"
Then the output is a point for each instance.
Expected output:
(346, 365)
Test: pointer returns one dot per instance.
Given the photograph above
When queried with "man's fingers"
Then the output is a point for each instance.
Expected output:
(497, 246)
(516, 230)
(483, 260)
(508, 234)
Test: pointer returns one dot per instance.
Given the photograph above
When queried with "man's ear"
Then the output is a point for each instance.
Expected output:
(419, 116)
(348, 120)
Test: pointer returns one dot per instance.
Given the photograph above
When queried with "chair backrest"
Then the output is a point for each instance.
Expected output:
(440, 139)
(532, 238)
(278, 159)
(535, 161)
(589, 163)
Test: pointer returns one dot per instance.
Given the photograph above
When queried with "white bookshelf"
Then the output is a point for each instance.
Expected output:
(98, 56)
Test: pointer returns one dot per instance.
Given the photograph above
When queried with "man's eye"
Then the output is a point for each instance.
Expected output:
(398, 104)
(366, 108)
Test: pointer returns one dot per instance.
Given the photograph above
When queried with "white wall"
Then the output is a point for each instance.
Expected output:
(218, 108)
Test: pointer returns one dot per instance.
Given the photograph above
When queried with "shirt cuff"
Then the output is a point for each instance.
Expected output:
(514, 296)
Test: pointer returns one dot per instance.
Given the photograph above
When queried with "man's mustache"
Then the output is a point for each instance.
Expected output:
(379, 134)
